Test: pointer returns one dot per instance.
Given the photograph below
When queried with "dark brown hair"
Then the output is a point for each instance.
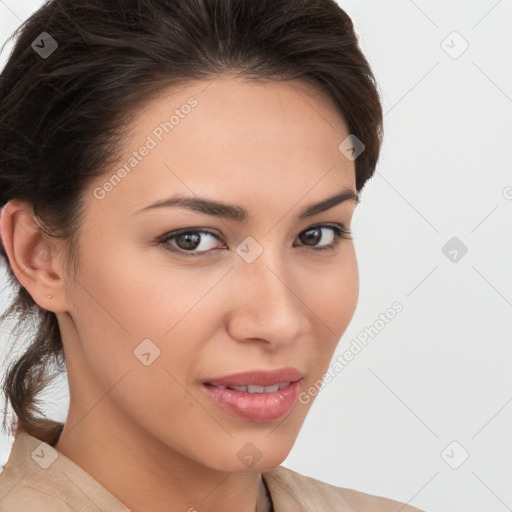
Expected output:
(63, 116)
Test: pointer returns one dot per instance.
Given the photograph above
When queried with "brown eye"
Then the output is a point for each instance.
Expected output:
(188, 242)
(313, 235)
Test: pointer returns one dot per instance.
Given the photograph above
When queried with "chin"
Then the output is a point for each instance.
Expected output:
(254, 453)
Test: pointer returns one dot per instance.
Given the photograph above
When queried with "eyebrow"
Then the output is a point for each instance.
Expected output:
(237, 213)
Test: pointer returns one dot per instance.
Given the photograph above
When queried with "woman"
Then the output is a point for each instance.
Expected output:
(178, 180)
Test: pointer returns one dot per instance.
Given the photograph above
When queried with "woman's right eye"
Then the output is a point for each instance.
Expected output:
(184, 242)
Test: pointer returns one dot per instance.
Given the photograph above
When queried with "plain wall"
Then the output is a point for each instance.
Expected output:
(434, 383)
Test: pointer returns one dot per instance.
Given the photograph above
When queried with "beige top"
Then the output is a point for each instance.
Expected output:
(39, 478)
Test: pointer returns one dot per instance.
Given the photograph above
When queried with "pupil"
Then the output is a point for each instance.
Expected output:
(312, 235)
(191, 240)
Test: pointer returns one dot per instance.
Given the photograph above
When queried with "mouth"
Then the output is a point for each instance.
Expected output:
(253, 388)
(255, 381)
(257, 396)
(258, 407)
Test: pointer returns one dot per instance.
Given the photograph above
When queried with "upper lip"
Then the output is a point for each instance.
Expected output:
(258, 378)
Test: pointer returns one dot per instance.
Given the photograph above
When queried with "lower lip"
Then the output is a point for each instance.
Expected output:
(256, 407)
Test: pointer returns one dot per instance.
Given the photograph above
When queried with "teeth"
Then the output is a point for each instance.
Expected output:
(258, 389)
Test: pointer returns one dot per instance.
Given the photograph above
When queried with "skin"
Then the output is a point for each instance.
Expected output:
(270, 147)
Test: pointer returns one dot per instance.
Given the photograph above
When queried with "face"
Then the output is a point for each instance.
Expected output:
(168, 298)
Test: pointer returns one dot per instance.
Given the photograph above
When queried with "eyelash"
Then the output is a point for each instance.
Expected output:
(340, 233)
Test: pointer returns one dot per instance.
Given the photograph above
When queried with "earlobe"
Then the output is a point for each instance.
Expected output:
(30, 253)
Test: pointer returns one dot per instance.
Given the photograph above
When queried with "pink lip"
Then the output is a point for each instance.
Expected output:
(256, 407)
(258, 378)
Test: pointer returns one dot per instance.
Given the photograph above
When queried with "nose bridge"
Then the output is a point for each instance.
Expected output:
(263, 267)
(267, 306)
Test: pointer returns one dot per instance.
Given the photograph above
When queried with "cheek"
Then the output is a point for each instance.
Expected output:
(139, 294)
(132, 301)
(336, 294)
(144, 342)
(333, 302)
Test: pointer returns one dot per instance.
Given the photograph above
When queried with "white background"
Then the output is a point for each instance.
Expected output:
(441, 370)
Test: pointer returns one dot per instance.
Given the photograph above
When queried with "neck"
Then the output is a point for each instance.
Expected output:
(125, 461)
(144, 471)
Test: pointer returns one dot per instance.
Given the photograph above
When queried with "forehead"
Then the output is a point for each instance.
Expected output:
(228, 136)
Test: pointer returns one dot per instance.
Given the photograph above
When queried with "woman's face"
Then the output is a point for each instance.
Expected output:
(150, 322)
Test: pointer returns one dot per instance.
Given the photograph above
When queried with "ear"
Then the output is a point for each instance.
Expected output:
(33, 259)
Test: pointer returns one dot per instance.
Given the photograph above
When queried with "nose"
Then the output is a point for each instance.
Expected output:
(266, 303)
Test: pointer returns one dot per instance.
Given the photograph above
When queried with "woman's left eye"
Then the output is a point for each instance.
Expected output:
(185, 241)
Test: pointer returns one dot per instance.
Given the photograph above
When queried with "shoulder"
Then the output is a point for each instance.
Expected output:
(20, 487)
(289, 489)
(38, 478)
(21, 492)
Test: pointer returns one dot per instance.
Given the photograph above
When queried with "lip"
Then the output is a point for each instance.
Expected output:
(255, 407)
(258, 377)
